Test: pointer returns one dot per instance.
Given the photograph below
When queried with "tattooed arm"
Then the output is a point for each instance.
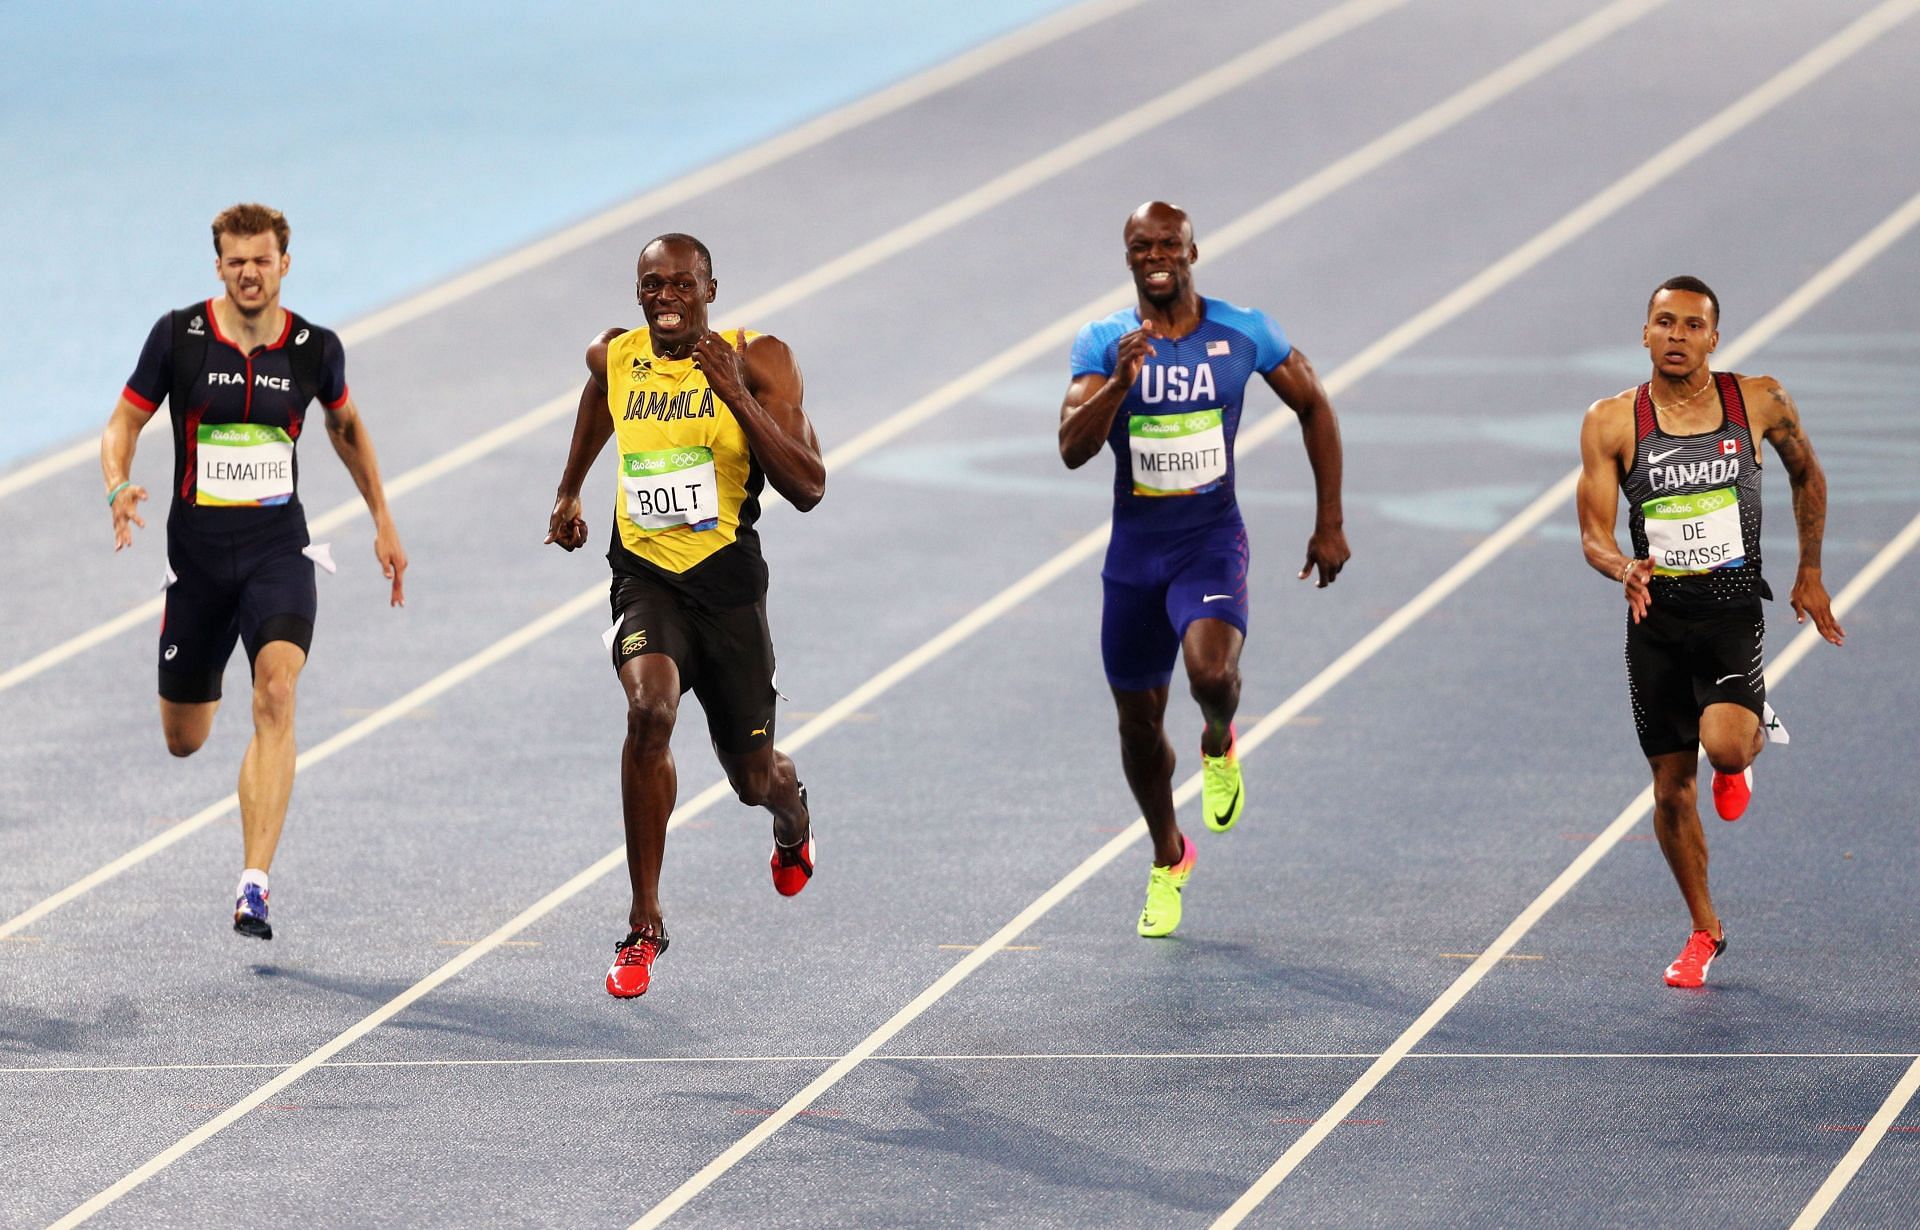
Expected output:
(1774, 415)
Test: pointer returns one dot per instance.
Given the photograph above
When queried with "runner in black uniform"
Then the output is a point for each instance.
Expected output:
(240, 372)
(1682, 447)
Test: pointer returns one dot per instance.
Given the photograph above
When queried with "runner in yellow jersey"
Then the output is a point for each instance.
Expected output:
(702, 421)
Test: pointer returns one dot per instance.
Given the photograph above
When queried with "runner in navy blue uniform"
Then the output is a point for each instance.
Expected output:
(1161, 384)
(240, 372)
(1683, 447)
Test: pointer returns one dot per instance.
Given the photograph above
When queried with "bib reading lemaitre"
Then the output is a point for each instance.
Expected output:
(689, 486)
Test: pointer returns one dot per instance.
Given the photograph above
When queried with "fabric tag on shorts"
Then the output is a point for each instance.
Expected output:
(169, 579)
(1691, 534)
(1770, 722)
(606, 638)
(243, 465)
(1177, 454)
(321, 553)
(670, 488)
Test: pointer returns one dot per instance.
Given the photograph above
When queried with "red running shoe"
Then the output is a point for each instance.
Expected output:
(793, 865)
(632, 969)
(1689, 969)
(1732, 793)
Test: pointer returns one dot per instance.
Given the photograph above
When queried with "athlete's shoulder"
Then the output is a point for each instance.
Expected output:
(1608, 422)
(1271, 347)
(1766, 400)
(304, 332)
(1093, 346)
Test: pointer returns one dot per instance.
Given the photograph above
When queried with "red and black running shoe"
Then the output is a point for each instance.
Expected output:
(793, 865)
(632, 968)
(1689, 969)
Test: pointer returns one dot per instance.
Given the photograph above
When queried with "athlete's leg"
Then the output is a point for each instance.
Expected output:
(648, 781)
(1676, 823)
(1211, 649)
(1148, 759)
(186, 726)
(766, 778)
(266, 772)
(1732, 737)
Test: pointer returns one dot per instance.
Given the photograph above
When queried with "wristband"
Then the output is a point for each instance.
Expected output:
(115, 493)
(1624, 570)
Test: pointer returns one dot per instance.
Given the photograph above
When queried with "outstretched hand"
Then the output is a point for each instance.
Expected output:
(1326, 551)
(1809, 597)
(1637, 582)
(126, 515)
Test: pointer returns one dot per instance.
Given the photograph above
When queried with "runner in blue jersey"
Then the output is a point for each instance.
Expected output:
(1161, 384)
(1684, 448)
(239, 373)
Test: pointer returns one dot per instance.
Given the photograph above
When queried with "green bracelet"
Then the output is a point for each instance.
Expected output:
(115, 493)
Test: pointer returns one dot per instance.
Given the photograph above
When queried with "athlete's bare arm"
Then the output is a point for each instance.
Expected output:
(1086, 413)
(116, 466)
(1299, 386)
(1606, 453)
(350, 439)
(761, 384)
(1773, 414)
(592, 427)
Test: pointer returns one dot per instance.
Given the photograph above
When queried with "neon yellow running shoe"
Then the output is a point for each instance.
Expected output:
(1162, 912)
(1221, 797)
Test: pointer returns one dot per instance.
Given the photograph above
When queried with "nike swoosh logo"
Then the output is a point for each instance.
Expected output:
(1724, 678)
(1655, 458)
(1231, 804)
(1215, 597)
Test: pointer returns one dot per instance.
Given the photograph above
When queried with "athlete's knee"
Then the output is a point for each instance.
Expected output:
(650, 721)
(184, 743)
(273, 698)
(752, 786)
(1213, 682)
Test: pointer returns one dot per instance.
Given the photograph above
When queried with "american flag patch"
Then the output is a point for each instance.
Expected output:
(1729, 446)
(1218, 348)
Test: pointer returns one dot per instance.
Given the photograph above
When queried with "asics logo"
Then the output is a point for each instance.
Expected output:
(171, 650)
(300, 338)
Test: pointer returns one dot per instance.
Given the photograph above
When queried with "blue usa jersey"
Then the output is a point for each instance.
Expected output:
(1172, 437)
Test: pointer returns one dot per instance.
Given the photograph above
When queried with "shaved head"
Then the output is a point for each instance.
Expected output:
(1159, 212)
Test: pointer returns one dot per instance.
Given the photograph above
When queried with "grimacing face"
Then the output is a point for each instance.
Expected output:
(674, 289)
(1160, 254)
(250, 267)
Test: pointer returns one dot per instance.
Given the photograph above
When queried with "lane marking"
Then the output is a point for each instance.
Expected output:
(1011, 1057)
(1816, 288)
(962, 68)
(1103, 138)
(1458, 107)
(1474, 956)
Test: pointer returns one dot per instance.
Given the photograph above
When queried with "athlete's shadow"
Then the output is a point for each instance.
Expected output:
(27, 1030)
(1213, 974)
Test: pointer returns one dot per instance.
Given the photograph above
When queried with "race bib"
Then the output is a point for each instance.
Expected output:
(671, 488)
(1691, 534)
(242, 465)
(1177, 454)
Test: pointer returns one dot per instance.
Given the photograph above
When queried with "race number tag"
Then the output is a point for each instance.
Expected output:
(242, 465)
(1691, 534)
(671, 488)
(1177, 454)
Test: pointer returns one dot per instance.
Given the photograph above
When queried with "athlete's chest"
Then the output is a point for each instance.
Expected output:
(233, 387)
(1200, 370)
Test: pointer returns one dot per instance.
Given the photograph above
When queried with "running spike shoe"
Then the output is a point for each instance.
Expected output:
(1162, 912)
(1221, 796)
(793, 865)
(632, 969)
(250, 912)
(1732, 793)
(1689, 969)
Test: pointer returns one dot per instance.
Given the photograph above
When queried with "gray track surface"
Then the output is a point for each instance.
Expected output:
(1410, 814)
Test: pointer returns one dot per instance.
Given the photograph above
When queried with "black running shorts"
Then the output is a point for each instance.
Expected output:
(1678, 664)
(725, 656)
(250, 586)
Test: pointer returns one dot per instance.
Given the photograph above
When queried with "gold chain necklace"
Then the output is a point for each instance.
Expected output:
(1684, 400)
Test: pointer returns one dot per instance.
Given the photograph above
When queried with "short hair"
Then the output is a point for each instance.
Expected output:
(706, 257)
(249, 219)
(1691, 285)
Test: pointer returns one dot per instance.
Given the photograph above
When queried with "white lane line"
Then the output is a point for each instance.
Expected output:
(1583, 218)
(1852, 260)
(1010, 1057)
(1322, 184)
(964, 67)
(1107, 136)
(1856, 1156)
